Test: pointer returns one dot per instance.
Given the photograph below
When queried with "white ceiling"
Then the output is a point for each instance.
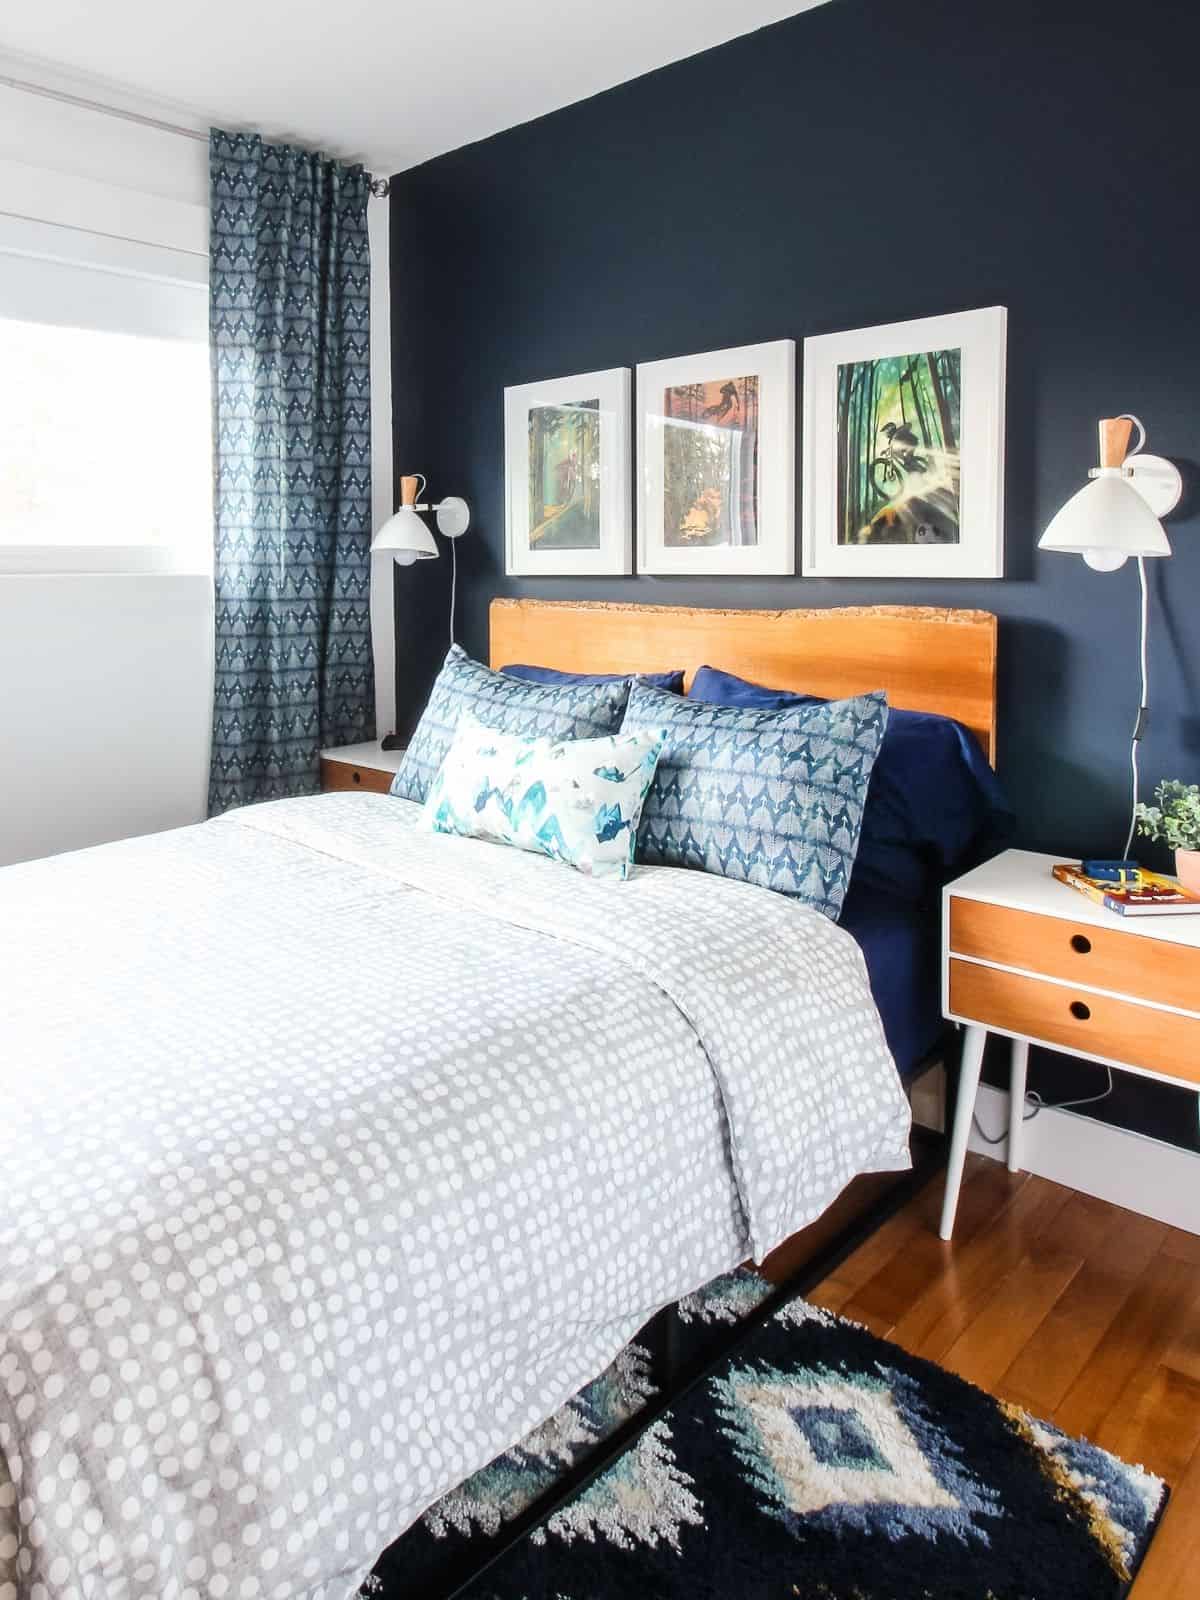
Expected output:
(374, 80)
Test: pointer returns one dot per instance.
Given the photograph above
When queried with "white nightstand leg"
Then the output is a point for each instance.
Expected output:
(1016, 1101)
(968, 1084)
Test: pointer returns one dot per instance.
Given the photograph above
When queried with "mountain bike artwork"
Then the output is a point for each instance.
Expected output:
(898, 442)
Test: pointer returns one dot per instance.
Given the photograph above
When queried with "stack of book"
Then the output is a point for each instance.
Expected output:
(1148, 895)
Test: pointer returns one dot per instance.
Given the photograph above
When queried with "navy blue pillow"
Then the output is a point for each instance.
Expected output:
(672, 681)
(934, 805)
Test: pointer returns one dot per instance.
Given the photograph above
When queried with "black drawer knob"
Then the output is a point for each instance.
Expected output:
(357, 776)
(1080, 1011)
(1080, 943)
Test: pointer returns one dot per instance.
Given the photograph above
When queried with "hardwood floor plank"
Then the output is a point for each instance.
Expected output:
(951, 1303)
(1010, 1318)
(1057, 1352)
(1155, 1422)
(1182, 1246)
(988, 1187)
(880, 1248)
(832, 1294)
(1182, 1354)
(1169, 1570)
(884, 1296)
(1055, 1355)
(1090, 1226)
(899, 1284)
(1161, 1300)
(985, 1193)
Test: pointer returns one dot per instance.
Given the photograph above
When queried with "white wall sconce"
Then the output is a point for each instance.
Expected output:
(405, 536)
(1114, 517)
(1117, 514)
(408, 538)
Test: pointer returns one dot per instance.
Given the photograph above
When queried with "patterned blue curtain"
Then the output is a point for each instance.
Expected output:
(289, 325)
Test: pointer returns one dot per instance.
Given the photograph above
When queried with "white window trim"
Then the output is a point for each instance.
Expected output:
(107, 211)
(48, 560)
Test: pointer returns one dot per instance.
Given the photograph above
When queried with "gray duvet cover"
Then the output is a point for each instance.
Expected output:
(336, 1155)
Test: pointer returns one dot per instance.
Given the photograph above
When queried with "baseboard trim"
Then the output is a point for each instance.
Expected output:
(1127, 1169)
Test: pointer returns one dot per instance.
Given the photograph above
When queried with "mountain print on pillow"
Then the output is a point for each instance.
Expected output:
(575, 800)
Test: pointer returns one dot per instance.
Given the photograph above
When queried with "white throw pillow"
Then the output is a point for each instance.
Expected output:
(577, 800)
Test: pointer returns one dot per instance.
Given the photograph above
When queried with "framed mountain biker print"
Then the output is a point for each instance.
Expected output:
(716, 461)
(568, 510)
(904, 449)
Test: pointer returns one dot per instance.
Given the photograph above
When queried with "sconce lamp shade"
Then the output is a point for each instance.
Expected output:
(1116, 515)
(1105, 522)
(406, 536)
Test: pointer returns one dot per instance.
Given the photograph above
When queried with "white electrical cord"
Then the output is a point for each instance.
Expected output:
(1143, 706)
(453, 583)
(1032, 1098)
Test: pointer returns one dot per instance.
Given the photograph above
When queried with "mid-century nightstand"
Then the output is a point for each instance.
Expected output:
(1027, 957)
(360, 766)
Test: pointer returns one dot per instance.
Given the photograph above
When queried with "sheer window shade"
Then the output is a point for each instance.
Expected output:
(105, 408)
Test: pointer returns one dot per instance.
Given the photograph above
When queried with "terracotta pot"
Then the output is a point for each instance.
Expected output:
(1187, 869)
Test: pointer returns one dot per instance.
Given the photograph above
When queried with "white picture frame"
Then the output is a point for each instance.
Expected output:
(942, 509)
(738, 525)
(594, 483)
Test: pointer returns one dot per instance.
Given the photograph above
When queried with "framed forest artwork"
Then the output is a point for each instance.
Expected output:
(904, 449)
(567, 476)
(716, 453)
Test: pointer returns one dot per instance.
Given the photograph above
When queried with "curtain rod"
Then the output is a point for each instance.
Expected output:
(379, 186)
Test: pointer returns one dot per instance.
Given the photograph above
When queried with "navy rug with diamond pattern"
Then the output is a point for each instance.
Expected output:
(818, 1460)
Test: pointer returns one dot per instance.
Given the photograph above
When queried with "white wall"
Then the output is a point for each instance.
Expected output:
(105, 707)
(1115, 1164)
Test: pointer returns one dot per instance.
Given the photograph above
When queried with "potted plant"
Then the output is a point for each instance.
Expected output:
(1175, 820)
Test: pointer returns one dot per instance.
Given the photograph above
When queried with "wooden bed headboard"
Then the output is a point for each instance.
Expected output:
(927, 659)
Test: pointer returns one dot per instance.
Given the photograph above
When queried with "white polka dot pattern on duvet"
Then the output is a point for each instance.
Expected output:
(336, 1157)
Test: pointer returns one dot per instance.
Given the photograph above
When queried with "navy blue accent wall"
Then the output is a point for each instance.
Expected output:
(864, 162)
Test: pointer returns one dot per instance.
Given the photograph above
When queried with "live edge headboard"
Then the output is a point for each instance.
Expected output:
(927, 659)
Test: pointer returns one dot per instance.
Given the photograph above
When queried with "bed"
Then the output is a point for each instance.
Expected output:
(927, 658)
(338, 1155)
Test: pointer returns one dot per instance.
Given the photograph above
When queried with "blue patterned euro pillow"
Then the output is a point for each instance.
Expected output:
(577, 800)
(935, 806)
(533, 710)
(773, 797)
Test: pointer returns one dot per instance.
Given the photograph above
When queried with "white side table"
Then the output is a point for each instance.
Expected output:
(1029, 958)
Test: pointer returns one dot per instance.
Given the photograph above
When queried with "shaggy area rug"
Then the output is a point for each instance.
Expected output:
(821, 1461)
(815, 1460)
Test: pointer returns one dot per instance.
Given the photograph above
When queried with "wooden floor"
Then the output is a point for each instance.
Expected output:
(1085, 1314)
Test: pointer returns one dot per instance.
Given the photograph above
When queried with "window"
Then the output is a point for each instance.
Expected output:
(105, 419)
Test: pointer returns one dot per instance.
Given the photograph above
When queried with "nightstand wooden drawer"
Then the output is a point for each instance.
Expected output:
(1121, 1030)
(349, 775)
(1105, 958)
